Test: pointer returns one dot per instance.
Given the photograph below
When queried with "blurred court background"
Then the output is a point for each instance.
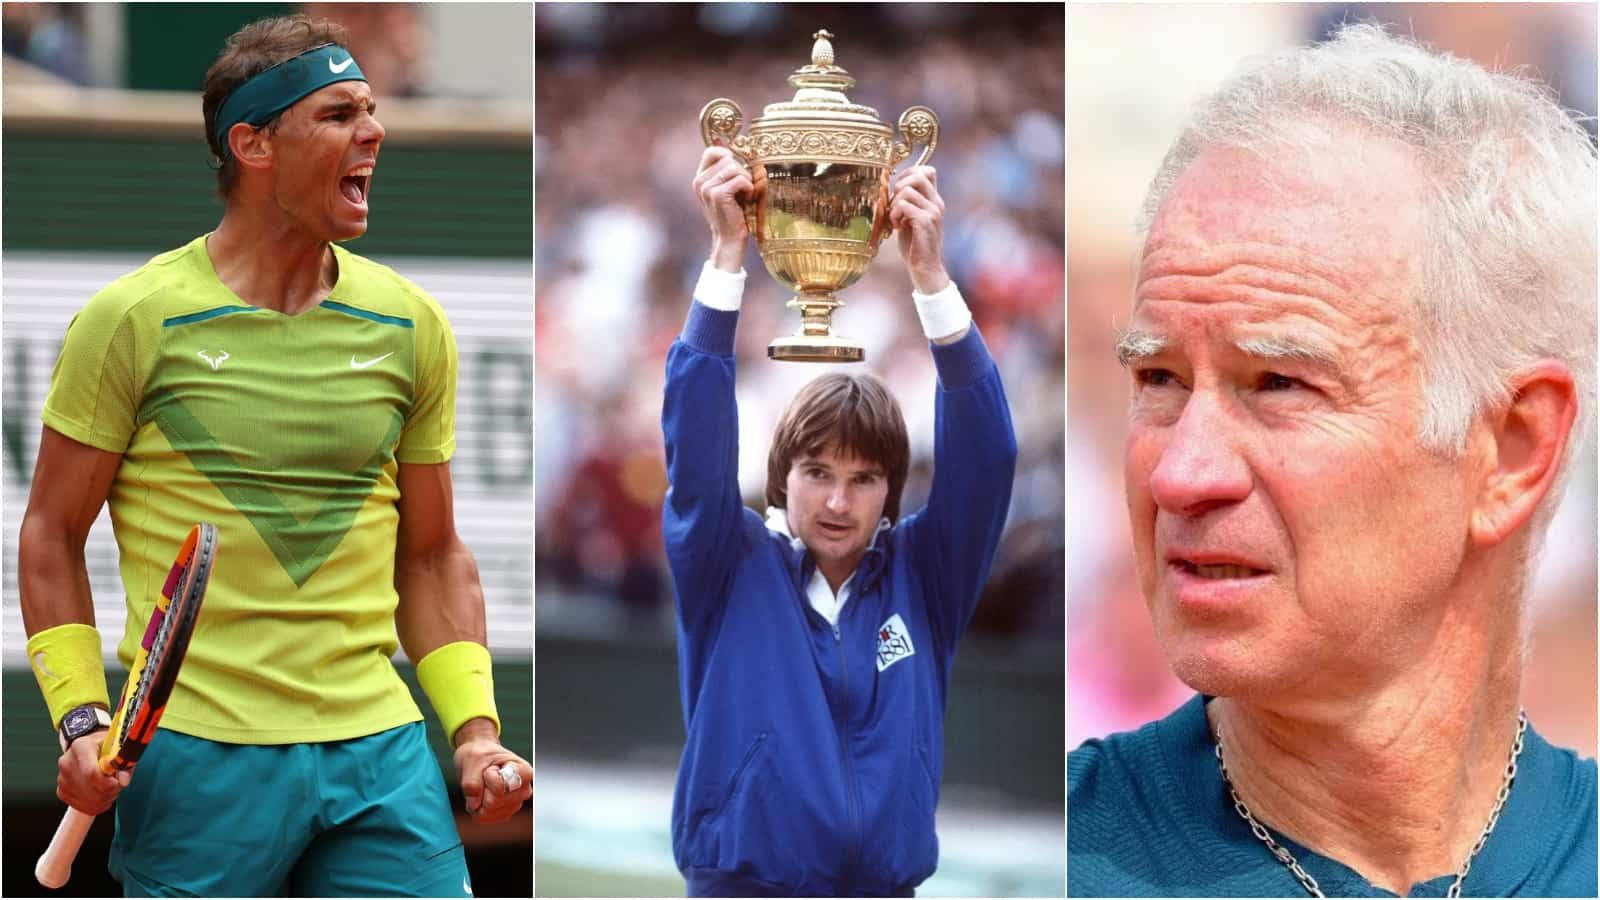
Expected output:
(105, 165)
(1133, 72)
(619, 243)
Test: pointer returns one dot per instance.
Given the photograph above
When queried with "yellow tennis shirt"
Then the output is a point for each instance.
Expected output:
(286, 433)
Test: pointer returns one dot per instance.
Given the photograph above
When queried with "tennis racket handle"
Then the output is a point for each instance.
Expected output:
(55, 866)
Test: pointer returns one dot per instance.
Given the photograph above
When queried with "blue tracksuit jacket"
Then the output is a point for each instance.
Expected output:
(814, 753)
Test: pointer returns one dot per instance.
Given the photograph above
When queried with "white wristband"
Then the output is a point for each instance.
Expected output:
(718, 289)
(943, 313)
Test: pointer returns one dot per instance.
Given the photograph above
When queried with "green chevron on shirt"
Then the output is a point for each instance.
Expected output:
(301, 547)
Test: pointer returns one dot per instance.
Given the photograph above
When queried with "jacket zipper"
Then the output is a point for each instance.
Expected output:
(844, 752)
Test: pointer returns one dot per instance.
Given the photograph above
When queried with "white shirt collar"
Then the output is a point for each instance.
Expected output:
(778, 520)
(818, 593)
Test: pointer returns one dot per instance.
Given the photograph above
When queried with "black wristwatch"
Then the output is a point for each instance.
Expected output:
(82, 720)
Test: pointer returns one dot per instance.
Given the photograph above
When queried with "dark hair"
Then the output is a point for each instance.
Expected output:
(248, 52)
(854, 414)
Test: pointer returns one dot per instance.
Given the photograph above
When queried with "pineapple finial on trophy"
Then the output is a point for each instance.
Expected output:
(822, 50)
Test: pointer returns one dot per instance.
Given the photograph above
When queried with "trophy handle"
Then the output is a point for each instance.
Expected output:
(722, 118)
(919, 125)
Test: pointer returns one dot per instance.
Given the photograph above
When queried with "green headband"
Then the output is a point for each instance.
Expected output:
(274, 90)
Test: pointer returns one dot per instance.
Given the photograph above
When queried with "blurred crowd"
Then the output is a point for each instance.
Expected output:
(388, 38)
(49, 36)
(1123, 118)
(620, 242)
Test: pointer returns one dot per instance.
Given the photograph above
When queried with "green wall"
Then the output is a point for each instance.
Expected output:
(147, 195)
(170, 45)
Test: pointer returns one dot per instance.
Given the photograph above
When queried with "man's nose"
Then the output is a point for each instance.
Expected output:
(1200, 467)
(371, 130)
(838, 498)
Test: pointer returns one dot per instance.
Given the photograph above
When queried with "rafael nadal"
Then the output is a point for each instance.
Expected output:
(302, 399)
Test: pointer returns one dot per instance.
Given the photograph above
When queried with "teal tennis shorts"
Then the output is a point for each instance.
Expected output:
(365, 817)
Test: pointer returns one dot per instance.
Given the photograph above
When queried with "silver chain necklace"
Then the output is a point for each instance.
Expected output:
(1309, 883)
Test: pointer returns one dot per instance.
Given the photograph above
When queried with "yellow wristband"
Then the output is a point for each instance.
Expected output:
(67, 664)
(459, 683)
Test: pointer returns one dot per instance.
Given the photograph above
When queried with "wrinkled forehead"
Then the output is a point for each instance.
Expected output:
(1348, 211)
(353, 94)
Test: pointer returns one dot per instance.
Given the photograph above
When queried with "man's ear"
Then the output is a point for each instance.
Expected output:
(1526, 441)
(251, 146)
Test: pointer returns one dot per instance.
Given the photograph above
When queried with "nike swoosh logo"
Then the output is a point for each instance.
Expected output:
(336, 69)
(38, 660)
(363, 365)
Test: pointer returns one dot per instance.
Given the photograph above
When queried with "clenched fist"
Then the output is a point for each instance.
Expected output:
(79, 782)
(494, 781)
(721, 183)
(917, 213)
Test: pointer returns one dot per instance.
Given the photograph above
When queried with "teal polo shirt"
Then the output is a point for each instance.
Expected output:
(1148, 816)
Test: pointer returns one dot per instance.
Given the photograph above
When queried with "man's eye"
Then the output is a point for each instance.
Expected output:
(1155, 377)
(1272, 381)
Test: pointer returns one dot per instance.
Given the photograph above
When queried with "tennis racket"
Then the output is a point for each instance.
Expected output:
(144, 695)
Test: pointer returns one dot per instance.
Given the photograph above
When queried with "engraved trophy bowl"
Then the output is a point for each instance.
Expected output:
(821, 167)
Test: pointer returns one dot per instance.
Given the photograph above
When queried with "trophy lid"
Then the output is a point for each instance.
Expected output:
(822, 73)
(820, 88)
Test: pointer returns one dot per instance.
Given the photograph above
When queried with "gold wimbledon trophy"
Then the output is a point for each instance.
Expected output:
(821, 168)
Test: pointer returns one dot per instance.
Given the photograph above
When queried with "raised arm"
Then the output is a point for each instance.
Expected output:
(975, 449)
(974, 463)
(699, 419)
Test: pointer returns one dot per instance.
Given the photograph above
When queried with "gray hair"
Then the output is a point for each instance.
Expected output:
(1509, 262)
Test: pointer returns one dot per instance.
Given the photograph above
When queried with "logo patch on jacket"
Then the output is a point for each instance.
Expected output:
(894, 642)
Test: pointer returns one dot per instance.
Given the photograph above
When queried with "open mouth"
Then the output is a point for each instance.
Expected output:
(832, 529)
(354, 185)
(1217, 571)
